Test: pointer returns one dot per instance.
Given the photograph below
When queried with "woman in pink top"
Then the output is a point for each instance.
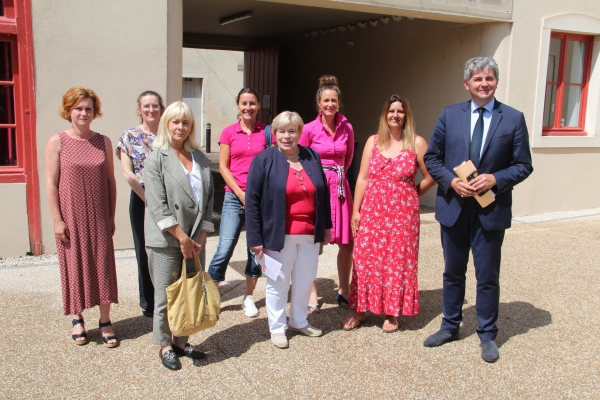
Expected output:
(239, 143)
(332, 136)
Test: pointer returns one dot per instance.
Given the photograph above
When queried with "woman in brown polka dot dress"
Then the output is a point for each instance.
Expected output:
(80, 185)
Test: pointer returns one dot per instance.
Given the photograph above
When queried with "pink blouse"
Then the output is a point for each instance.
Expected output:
(337, 150)
(243, 148)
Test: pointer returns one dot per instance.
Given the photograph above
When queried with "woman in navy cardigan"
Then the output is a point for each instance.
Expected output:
(288, 216)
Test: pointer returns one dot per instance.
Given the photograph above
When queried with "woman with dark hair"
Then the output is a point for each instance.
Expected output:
(288, 217)
(239, 143)
(386, 219)
(332, 136)
(134, 146)
(82, 195)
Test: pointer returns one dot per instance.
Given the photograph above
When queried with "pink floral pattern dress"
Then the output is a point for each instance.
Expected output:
(386, 247)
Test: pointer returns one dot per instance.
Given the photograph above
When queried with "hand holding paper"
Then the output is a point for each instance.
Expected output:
(270, 266)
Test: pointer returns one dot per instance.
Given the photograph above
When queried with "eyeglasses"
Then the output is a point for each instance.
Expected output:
(148, 107)
(301, 179)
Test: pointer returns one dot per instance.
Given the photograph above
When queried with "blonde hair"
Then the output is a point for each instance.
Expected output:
(72, 97)
(284, 119)
(176, 110)
(408, 130)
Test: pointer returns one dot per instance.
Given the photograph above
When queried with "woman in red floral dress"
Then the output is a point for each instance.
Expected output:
(386, 219)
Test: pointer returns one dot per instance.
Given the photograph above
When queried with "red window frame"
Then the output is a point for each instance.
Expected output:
(557, 129)
(16, 27)
(15, 84)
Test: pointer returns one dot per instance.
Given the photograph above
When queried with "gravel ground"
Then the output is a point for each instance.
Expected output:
(548, 334)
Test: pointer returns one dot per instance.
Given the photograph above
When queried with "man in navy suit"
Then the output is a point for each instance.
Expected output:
(494, 137)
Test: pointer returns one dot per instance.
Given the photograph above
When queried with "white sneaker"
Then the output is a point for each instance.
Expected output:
(249, 308)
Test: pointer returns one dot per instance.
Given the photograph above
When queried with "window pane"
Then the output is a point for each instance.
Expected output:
(8, 147)
(553, 60)
(5, 62)
(7, 105)
(570, 109)
(575, 62)
(550, 105)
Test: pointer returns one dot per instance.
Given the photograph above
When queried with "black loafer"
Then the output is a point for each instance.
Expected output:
(489, 351)
(170, 360)
(439, 338)
(189, 351)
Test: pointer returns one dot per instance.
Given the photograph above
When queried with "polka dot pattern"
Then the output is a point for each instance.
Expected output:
(87, 263)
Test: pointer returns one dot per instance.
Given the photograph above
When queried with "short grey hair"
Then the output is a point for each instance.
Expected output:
(481, 63)
(286, 118)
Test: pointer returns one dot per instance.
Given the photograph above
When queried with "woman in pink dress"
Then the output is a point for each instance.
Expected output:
(386, 219)
(80, 184)
(332, 136)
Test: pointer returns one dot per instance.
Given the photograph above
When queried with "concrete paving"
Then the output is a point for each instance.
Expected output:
(549, 324)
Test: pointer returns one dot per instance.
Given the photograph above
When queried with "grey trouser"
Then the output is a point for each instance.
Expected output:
(164, 264)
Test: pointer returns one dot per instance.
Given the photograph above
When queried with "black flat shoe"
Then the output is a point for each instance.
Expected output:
(439, 338)
(341, 299)
(489, 351)
(148, 314)
(189, 351)
(170, 360)
(79, 335)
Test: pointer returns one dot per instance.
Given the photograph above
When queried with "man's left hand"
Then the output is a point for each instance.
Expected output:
(483, 182)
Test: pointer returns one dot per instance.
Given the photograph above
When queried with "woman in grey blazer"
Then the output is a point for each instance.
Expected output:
(179, 204)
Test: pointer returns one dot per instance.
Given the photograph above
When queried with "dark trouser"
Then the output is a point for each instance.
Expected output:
(468, 234)
(136, 216)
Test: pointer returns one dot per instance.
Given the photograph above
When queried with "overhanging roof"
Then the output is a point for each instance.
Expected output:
(274, 19)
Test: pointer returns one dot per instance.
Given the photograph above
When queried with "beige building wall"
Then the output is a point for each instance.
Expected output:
(564, 177)
(119, 49)
(14, 235)
(221, 82)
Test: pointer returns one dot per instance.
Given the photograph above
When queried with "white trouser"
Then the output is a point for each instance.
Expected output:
(299, 258)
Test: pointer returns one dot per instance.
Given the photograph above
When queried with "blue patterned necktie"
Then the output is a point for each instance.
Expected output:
(477, 139)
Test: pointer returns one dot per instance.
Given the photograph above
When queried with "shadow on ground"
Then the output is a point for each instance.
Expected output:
(125, 329)
(516, 318)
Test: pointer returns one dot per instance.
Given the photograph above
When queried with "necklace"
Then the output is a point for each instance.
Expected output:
(291, 159)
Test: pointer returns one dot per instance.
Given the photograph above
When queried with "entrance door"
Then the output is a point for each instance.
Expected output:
(261, 66)
(192, 96)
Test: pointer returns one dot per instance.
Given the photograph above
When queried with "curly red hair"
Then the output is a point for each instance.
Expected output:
(72, 97)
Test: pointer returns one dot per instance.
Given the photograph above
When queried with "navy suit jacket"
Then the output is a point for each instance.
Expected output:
(505, 154)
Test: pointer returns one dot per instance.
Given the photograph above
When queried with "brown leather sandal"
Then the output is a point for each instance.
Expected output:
(351, 323)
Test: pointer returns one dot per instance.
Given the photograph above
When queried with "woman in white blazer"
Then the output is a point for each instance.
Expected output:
(179, 204)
